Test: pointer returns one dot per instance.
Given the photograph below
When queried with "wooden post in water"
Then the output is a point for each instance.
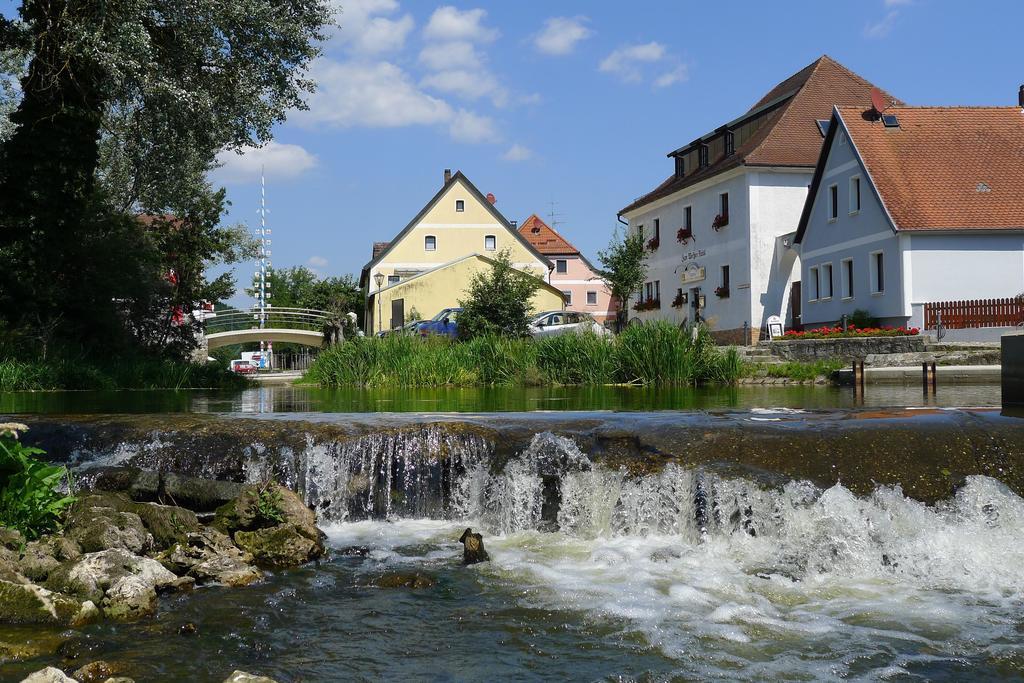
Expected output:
(858, 380)
(929, 381)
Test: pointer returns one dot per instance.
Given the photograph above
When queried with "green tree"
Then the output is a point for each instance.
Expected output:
(624, 268)
(498, 301)
(300, 287)
(123, 107)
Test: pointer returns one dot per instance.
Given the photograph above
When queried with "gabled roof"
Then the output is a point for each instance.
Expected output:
(789, 135)
(942, 168)
(545, 239)
(457, 177)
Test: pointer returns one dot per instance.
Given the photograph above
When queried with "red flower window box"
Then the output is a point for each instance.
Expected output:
(721, 220)
(722, 292)
(684, 234)
(678, 301)
(653, 244)
(648, 305)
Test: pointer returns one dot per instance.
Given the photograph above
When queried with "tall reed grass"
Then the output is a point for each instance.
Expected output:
(655, 353)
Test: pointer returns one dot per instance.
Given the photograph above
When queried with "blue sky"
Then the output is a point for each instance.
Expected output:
(575, 103)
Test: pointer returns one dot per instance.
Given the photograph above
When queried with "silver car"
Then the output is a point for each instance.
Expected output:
(554, 323)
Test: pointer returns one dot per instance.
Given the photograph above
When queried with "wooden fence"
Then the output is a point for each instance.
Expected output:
(959, 315)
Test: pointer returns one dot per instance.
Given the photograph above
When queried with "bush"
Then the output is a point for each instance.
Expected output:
(861, 318)
(125, 373)
(30, 496)
(498, 301)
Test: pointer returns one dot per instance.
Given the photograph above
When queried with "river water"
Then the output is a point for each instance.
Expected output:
(678, 573)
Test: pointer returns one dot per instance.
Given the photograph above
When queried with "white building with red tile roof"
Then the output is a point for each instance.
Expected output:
(914, 206)
(720, 227)
(573, 274)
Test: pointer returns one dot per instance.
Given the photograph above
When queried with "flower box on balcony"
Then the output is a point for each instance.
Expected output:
(721, 220)
(684, 234)
(647, 305)
(653, 244)
(722, 292)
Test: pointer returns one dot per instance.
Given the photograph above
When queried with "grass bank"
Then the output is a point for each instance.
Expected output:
(120, 373)
(657, 353)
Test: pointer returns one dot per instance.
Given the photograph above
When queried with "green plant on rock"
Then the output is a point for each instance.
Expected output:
(268, 504)
(31, 499)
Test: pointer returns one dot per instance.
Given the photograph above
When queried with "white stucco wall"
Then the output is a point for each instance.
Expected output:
(776, 200)
(954, 267)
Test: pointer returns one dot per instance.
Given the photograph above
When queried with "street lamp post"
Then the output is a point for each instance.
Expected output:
(379, 279)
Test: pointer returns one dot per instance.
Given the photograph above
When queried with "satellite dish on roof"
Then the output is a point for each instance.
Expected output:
(878, 101)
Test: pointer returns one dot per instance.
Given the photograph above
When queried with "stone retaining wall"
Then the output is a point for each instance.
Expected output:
(848, 349)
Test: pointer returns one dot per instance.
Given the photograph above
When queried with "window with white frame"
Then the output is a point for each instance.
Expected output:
(812, 283)
(430, 243)
(854, 195)
(567, 293)
(561, 266)
(826, 280)
(490, 243)
(846, 265)
(591, 298)
(833, 202)
(688, 218)
(877, 272)
(460, 205)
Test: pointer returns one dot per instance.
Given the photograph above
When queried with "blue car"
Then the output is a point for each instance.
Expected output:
(444, 323)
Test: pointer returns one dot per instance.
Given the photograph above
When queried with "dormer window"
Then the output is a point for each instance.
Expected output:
(680, 166)
(730, 143)
(702, 155)
(460, 205)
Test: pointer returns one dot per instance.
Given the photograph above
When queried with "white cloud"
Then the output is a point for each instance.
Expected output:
(454, 55)
(363, 32)
(317, 261)
(560, 35)
(645, 62)
(469, 127)
(624, 62)
(881, 28)
(679, 73)
(274, 159)
(468, 85)
(378, 95)
(517, 152)
(448, 23)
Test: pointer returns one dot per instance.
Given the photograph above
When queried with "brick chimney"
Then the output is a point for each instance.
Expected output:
(447, 175)
(1020, 97)
(491, 198)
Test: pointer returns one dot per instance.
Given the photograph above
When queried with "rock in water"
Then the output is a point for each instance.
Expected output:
(399, 580)
(48, 675)
(473, 548)
(243, 677)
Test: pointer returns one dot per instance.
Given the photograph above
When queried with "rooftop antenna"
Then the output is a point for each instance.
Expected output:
(553, 215)
(262, 288)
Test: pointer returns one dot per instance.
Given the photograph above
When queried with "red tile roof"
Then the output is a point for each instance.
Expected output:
(544, 238)
(945, 168)
(790, 135)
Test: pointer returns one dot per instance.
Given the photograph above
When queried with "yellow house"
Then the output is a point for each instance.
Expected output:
(428, 266)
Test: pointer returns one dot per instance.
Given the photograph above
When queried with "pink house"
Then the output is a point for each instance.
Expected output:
(584, 291)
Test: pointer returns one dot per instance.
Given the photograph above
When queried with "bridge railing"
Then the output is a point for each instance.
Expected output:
(280, 318)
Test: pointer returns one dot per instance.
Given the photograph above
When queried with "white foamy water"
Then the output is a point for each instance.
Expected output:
(730, 580)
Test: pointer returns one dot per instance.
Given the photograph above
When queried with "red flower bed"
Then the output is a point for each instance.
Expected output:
(852, 331)
(648, 305)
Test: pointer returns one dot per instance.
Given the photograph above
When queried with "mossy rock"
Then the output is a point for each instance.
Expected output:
(43, 556)
(22, 603)
(400, 580)
(11, 538)
(168, 524)
(285, 545)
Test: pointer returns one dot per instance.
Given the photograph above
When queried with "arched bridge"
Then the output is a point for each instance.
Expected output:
(295, 325)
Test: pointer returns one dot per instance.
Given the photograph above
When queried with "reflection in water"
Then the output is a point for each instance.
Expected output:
(305, 399)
